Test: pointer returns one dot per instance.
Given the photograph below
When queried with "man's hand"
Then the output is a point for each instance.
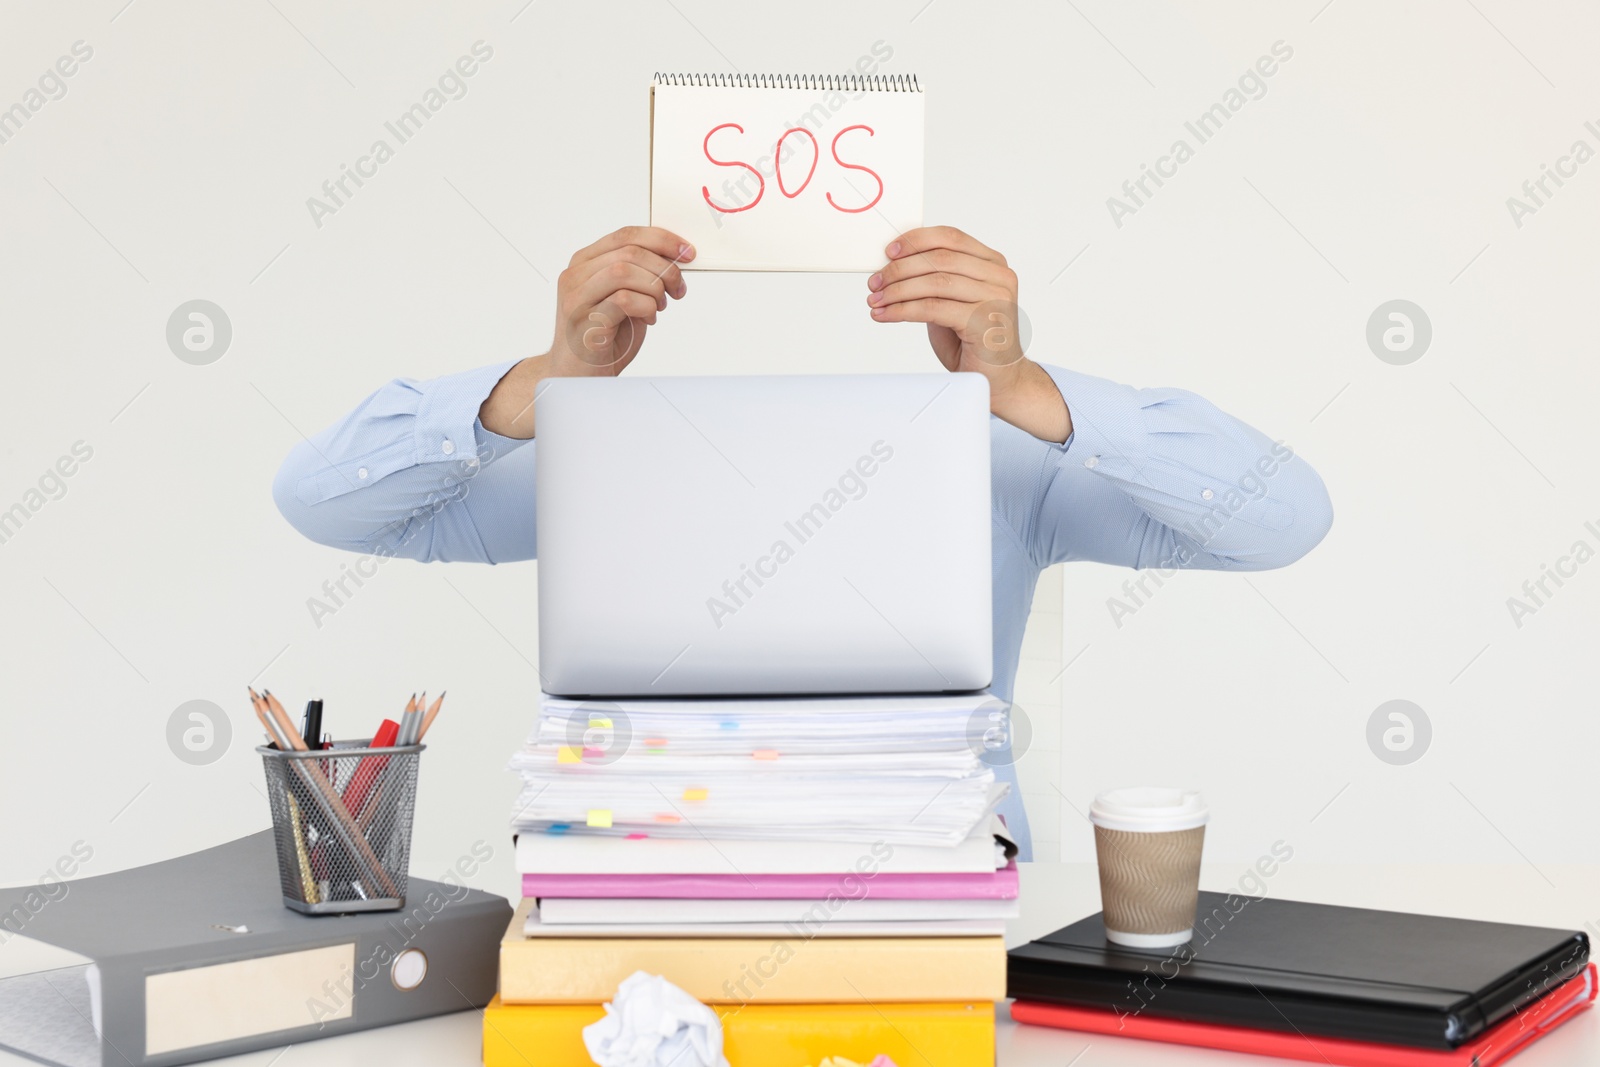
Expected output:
(610, 293)
(967, 295)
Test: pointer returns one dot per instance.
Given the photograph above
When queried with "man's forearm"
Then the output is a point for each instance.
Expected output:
(1031, 402)
(1203, 488)
(508, 409)
(391, 477)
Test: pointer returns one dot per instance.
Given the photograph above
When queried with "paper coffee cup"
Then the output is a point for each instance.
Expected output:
(1148, 843)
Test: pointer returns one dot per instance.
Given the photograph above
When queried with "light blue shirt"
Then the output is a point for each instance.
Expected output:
(1150, 478)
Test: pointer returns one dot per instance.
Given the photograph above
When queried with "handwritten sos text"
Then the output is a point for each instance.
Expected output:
(778, 156)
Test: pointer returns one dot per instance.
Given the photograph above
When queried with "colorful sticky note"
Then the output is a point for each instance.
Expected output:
(567, 754)
(557, 828)
(599, 724)
(600, 817)
(590, 752)
(765, 753)
(730, 725)
(636, 837)
(667, 816)
(655, 742)
(696, 794)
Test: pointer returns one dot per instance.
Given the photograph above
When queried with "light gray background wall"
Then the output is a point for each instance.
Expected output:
(1376, 166)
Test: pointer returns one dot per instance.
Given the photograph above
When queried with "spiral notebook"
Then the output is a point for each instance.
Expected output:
(786, 172)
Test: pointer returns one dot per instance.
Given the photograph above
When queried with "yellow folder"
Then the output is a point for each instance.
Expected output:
(745, 970)
(764, 1035)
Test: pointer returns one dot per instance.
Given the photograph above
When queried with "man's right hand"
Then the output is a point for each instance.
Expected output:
(610, 293)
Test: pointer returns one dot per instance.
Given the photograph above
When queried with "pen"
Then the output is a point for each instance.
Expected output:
(330, 767)
(310, 729)
(308, 885)
(311, 725)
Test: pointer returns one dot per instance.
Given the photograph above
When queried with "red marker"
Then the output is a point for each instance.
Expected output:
(367, 771)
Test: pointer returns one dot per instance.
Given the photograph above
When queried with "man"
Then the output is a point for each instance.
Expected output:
(1083, 468)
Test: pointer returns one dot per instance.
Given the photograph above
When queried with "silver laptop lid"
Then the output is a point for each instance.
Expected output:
(808, 534)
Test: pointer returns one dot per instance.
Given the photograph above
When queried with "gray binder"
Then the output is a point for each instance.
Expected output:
(196, 957)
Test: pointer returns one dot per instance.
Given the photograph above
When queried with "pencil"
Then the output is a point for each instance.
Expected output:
(408, 719)
(370, 810)
(285, 724)
(274, 734)
(427, 720)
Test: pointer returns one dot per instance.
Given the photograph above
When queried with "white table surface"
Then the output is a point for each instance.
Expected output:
(1055, 894)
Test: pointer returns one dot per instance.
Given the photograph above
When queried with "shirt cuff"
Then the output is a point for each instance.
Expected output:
(492, 446)
(1108, 420)
(447, 425)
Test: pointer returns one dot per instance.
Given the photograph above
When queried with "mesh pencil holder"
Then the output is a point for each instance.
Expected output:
(341, 818)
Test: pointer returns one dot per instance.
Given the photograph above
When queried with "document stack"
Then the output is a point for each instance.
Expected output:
(826, 873)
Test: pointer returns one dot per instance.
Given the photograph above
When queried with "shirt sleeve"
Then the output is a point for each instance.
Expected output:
(1162, 478)
(412, 472)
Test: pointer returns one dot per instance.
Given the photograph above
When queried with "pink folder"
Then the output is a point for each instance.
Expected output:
(1000, 885)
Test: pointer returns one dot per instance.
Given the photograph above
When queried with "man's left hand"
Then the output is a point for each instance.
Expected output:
(967, 295)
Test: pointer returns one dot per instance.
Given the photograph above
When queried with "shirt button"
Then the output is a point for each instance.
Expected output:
(1092, 462)
(448, 448)
(362, 473)
(1206, 494)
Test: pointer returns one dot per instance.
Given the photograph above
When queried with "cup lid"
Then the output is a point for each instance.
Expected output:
(1149, 809)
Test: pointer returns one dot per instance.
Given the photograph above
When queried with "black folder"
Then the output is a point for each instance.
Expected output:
(1316, 969)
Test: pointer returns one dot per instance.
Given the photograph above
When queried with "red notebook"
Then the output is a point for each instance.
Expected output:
(1495, 1045)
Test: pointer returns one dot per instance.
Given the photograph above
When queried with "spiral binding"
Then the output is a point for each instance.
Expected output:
(850, 83)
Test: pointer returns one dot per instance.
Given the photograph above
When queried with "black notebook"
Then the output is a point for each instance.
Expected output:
(1316, 969)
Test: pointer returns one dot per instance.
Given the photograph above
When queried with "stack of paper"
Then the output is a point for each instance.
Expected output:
(787, 853)
(901, 770)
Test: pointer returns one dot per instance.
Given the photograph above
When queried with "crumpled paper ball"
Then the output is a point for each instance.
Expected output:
(652, 1023)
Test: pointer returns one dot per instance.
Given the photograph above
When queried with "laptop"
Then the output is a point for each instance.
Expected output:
(774, 534)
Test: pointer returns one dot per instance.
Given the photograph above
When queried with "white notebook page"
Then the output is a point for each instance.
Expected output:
(847, 179)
